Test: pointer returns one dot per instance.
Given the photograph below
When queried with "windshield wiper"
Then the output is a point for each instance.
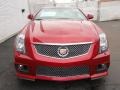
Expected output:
(63, 18)
(39, 19)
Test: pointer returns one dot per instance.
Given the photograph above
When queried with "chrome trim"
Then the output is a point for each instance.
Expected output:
(62, 44)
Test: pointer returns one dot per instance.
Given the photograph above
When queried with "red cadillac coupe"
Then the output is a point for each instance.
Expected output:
(61, 44)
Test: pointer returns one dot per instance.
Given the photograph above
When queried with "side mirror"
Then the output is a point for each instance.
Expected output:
(30, 16)
(90, 16)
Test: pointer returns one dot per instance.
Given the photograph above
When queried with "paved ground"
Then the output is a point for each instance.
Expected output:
(8, 80)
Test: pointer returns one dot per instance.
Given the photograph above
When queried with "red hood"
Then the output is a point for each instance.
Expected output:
(63, 31)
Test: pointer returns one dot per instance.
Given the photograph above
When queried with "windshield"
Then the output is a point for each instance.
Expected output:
(61, 13)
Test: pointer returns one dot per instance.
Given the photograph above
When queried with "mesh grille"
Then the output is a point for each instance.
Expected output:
(52, 50)
(61, 71)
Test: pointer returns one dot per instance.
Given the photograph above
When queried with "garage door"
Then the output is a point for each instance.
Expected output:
(11, 17)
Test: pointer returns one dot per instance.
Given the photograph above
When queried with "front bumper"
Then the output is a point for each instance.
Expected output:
(92, 64)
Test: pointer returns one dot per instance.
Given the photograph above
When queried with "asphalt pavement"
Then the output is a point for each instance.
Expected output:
(9, 81)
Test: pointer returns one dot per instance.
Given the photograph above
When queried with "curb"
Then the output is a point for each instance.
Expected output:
(3, 40)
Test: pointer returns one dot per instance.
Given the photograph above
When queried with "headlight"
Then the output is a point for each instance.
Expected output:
(20, 43)
(103, 43)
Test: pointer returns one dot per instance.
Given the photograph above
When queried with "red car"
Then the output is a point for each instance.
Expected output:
(61, 44)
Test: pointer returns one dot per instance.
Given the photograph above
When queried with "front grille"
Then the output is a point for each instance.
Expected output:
(68, 50)
(62, 71)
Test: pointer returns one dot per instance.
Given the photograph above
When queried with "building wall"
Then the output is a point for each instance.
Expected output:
(89, 7)
(108, 10)
(107, 0)
(11, 17)
(35, 5)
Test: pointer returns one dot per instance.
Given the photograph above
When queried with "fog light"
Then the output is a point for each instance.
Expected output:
(102, 67)
(22, 68)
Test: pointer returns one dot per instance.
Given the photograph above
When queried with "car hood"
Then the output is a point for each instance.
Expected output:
(63, 31)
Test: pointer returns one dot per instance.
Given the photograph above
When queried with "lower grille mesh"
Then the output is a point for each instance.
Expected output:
(61, 71)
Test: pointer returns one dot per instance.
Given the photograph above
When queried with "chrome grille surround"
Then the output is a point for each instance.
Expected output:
(51, 49)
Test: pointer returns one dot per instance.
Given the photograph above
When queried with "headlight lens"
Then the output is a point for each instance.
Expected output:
(20, 43)
(103, 43)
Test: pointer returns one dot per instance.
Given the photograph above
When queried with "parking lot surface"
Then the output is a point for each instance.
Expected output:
(9, 81)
